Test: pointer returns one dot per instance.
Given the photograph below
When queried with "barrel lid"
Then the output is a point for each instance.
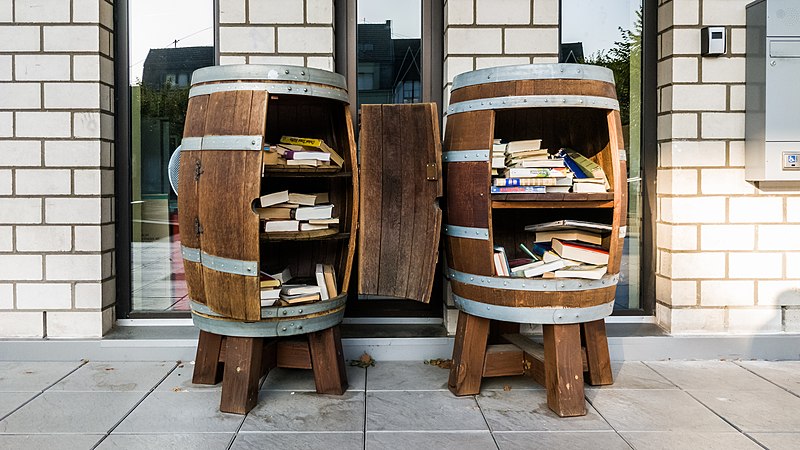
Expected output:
(533, 72)
(268, 72)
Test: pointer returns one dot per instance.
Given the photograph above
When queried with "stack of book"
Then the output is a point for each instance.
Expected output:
(531, 169)
(589, 176)
(301, 152)
(498, 157)
(276, 289)
(287, 212)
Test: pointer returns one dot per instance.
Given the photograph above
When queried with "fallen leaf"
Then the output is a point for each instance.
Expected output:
(441, 363)
(506, 387)
(364, 361)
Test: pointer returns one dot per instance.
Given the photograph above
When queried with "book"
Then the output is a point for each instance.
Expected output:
(311, 227)
(274, 198)
(319, 273)
(274, 213)
(567, 224)
(589, 167)
(588, 188)
(532, 172)
(540, 153)
(308, 199)
(589, 237)
(270, 294)
(305, 162)
(544, 267)
(275, 226)
(504, 182)
(298, 299)
(529, 253)
(586, 253)
(498, 162)
(284, 276)
(295, 289)
(519, 189)
(316, 155)
(585, 271)
(520, 146)
(544, 251)
(331, 221)
(315, 143)
(499, 265)
(519, 271)
(557, 189)
(313, 212)
(330, 280)
(552, 162)
(268, 281)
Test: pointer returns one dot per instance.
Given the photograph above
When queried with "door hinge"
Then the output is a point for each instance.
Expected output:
(431, 173)
(198, 229)
(198, 170)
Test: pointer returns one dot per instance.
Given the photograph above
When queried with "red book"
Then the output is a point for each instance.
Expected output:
(590, 254)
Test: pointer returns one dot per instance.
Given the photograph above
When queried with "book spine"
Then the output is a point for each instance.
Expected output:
(574, 167)
(301, 141)
(519, 189)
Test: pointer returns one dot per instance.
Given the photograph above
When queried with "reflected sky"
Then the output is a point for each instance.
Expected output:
(595, 23)
(406, 16)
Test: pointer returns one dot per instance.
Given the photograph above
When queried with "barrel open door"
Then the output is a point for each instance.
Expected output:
(401, 183)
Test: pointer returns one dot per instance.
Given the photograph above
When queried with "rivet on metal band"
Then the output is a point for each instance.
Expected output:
(272, 88)
(533, 72)
(222, 143)
(532, 284)
(465, 156)
(467, 232)
(533, 315)
(190, 254)
(232, 266)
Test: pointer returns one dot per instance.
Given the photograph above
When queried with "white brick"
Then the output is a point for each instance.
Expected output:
(665, 14)
(693, 209)
(20, 210)
(17, 38)
(86, 125)
(6, 124)
(458, 12)
(793, 265)
(276, 11)
(232, 11)
(89, 295)
(87, 239)
(699, 97)
(755, 265)
(86, 11)
(723, 125)
(320, 62)
(677, 182)
(737, 98)
(791, 319)
(72, 38)
(87, 182)
(738, 41)
(6, 11)
(6, 182)
(71, 153)
(778, 237)
(15, 324)
(86, 67)
(44, 296)
(724, 181)
(684, 70)
(526, 40)
(73, 210)
(756, 209)
(20, 96)
(74, 267)
(686, 12)
(43, 124)
(793, 209)
(6, 297)
(727, 237)
(697, 320)
(753, 320)
(686, 41)
(727, 293)
(736, 153)
(544, 59)
(74, 324)
(72, 95)
(21, 267)
(481, 63)
(44, 239)
(455, 65)
(664, 72)
(724, 12)
(723, 70)
(698, 265)
(545, 12)
(319, 11)
(677, 126)
(6, 239)
(106, 126)
(42, 67)
(225, 60)
(42, 11)
(305, 40)
(247, 39)
(5, 67)
(43, 181)
(784, 292)
(471, 41)
(675, 292)
(290, 60)
(503, 12)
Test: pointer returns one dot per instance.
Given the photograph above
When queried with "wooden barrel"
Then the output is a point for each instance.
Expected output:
(233, 113)
(565, 105)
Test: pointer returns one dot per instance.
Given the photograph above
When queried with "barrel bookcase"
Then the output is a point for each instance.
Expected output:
(233, 112)
(565, 105)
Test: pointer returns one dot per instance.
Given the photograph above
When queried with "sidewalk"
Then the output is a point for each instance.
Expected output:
(394, 405)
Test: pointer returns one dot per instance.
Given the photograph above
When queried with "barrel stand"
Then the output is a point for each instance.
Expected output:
(240, 362)
(571, 354)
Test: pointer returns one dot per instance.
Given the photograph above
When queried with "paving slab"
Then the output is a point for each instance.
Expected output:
(183, 441)
(512, 382)
(752, 411)
(462, 440)
(33, 376)
(9, 401)
(279, 379)
(48, 441)
(682, 440)
(526, 410)
(778, 441)
(71, 412)
(181, 380)
(305, 441)
(180, 412)
(406, 376)
(635, 375)
(422, 411)
(115, 377)
(785, 374)
(573, 440)
(654, 410)
(710, 376)
(306, 411)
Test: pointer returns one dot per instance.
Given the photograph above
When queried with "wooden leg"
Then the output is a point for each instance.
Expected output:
(593, 335)
(242, 371)
(564, 370)
(469, 353)
(327, 361)
(269, 356)
(207, 365)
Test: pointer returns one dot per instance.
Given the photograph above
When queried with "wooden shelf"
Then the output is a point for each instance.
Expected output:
(330, 234)
(561, 201)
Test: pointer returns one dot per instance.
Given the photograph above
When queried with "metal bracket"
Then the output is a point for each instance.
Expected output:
(190, 254)
(467, 232)
(465, 156)
(222, 143)
(623, 155)
(431, 173)
(232, 266)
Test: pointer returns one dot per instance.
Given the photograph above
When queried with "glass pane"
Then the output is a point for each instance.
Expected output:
(168, 41)
(389, 52)
(609, 34)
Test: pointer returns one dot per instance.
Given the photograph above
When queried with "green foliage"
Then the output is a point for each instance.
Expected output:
(169, 102)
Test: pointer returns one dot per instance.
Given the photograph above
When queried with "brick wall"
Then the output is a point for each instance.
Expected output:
(727, 255)
(296, 32)
(56, 174)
